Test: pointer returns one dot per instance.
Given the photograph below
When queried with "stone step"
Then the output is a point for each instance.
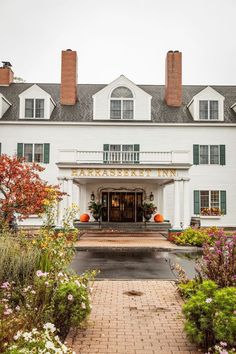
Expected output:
(127, 227)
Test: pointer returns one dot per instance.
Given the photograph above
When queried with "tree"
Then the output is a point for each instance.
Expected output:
(22, 191)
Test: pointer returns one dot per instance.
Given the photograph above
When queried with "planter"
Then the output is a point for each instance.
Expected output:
(96, 217)
(147, 216)
(172, 234)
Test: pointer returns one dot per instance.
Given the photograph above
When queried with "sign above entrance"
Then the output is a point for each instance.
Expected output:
(124, 172)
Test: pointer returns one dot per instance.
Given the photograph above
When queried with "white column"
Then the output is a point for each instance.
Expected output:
(176, 223)
(63, 203)
(160, 201)
(186, 204)
(70, 192)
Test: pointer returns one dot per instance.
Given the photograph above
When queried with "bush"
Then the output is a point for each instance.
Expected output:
(219, 262)
(14, 266)
(210, 315)
(193, 237)
(188, 289)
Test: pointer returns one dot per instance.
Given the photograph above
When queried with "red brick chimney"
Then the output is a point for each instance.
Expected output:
(68, 77)
(173, 87)
(6, 74)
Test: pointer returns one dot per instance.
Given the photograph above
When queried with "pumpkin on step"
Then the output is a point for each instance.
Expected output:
(84, 218)
(158, 218)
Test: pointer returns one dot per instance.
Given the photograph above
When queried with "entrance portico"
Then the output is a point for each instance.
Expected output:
(122, 191)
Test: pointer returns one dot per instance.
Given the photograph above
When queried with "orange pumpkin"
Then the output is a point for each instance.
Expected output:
(84, 218)
(158, 218)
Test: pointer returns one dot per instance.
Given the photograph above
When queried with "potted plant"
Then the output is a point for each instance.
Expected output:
(95, 209)
(148, 209)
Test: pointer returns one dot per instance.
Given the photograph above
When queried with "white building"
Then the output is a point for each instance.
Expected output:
(126, 143)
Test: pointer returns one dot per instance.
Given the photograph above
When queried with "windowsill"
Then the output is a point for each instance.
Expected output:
(211, 120)
(210, 216)
(31, 118)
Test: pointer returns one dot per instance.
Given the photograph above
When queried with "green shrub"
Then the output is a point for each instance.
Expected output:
(210, 315)
(18, 260)
(188, 289)
(193, 237)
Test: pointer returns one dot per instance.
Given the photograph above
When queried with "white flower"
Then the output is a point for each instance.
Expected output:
(33, 292)
(27, 336)
(18, 335)
(70, 297)
(208, 300)
(17, 308)
(223, 344)
(83, 305)
(7, 312)
(77, 282)
(49, 326)
(49, 345)
(60, 274)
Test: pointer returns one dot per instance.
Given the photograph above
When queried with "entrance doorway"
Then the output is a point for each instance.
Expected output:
(122, 206)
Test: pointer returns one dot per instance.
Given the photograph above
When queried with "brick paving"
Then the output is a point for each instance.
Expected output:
(151, 323)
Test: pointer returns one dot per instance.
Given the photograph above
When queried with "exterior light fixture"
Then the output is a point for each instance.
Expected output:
(151, 197)
(92, 197)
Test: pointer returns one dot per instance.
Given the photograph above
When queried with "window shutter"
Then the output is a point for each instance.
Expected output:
(136, 153)
(222, 154)
(196, 198)
(105, 153)
(20, 150)
(196, 154)
(46, 153)
(223, 202)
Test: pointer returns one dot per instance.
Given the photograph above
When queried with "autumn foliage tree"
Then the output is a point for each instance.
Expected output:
(22, 191)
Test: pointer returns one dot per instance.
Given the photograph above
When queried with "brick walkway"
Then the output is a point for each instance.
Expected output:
(147, 324)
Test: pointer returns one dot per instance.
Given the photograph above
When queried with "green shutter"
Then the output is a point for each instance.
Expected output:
(196, 198)
(223, 202)
(222, 154)
(196, 154)
(46, 148)
(105, 153)
(136, 153)
(20, 150)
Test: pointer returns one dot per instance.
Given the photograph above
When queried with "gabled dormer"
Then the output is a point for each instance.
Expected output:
(207, 105)
(4, 105)
(122, 100)
(35, 103)
(234, 107)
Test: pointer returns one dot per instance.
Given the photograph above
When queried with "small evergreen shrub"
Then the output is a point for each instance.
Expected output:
(193, 237)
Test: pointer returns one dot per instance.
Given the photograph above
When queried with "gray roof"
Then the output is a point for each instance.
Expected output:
(82, 111)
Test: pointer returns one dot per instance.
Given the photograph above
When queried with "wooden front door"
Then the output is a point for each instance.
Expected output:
(121, 206)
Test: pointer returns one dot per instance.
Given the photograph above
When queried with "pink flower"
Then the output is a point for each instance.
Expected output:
(208, 300)
(70, 297)
(5, 285)
(7, 312)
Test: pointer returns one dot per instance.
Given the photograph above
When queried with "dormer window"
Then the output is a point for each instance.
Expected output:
(34, 108)
(122, 103)
(208, 110)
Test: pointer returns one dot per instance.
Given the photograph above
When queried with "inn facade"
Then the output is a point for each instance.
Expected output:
(123, 144)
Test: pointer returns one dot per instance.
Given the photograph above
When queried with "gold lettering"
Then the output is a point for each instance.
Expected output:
(119, 173)
(90, 172)
(148, 172)
(165, 173)
(82, 173)
(126, 173)
(133, 173)
(112, 173)
(74, 172)
(97, 173)
(105, 173)
(173, 173)
(159, 173)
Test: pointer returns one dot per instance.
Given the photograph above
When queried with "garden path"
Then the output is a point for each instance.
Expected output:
(148, 322)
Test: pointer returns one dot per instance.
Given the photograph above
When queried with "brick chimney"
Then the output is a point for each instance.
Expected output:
(6, 74)
(68, 77)
(173, 85)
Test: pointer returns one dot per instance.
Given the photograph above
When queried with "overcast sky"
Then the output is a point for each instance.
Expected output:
(114, 37)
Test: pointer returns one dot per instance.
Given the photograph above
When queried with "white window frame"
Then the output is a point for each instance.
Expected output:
(121, 154)
(122, 99)
(208, 110)
(209, 154)
(33, 151)
(34, 109)
(209, 196)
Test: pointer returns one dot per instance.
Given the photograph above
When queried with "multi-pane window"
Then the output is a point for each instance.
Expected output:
(209, 154)
(115, 153)
(210, 202)
(34, 108)
(33, 152)
(208, 110)
(121, 104)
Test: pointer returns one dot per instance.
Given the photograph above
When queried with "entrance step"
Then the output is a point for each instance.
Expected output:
(105, 234)
(124, 226)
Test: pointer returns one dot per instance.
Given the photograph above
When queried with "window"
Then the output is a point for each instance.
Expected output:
(121, 104)
(209, 154)
(34, 108)
(121, 154)
(34, 152)
(208, 110)
(210, 202)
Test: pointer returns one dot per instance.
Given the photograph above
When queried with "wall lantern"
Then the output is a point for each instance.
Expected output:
(92, 197)
(151, 197)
